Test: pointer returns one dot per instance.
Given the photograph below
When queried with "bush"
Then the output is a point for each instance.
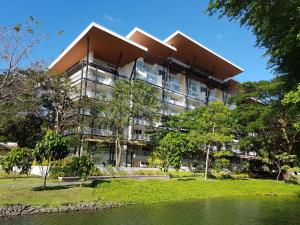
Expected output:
(220, 175)
(292, 180)
(148, 172)
(74, 166)
(179, 174)
(240, 176)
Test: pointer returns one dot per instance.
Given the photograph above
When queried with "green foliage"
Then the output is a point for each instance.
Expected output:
(131, 98)
(17, 159)
(52, 147)
(194, 133)
(154, 160)
(222, 160)
(170, 149)
(265, 125)
(81, 166)
(269, 20)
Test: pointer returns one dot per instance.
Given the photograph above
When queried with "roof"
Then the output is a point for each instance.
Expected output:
(106, 44)
(194, 53)
(155, 46)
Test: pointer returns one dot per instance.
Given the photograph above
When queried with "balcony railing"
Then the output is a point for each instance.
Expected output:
(97, 131)
(141, 137)
(150, 77)
(175, 102)
(173, 87)
(140, 121)
(101, 78)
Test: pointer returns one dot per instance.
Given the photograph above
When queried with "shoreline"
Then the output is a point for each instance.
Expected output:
(20, 210)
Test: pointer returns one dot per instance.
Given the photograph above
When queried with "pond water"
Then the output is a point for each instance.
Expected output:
(269, 211)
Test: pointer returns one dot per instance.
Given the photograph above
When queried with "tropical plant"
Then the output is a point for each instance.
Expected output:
(133, 98)
(17, 161)
(52, 147)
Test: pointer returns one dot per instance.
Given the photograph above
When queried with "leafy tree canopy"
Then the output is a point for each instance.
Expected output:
(276, 25)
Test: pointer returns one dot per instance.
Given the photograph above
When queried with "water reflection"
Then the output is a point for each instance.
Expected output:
(205, 212)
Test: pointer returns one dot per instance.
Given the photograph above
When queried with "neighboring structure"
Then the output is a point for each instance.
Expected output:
(186, 73)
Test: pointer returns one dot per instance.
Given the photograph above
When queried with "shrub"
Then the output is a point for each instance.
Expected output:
(240, 176)
(220, 174)
(292, 180)
(148, 172)
(179, 174)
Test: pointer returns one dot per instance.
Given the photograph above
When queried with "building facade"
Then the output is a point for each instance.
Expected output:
(185, 73)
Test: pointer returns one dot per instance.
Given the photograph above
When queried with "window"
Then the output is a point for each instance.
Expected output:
(202, 89)
(193, 89)
(140, 65)
(99, 78)
(162, 73)
(137, 131)
(151, 78)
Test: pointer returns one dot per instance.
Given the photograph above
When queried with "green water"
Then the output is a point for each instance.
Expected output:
(205, 212)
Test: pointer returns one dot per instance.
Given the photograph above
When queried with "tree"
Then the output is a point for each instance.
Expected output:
(55, 94)
(130, 99)
(171, 148)
(276, 25)
(81, 166)
(292, 100)
(16, 43)
(214, 128)
(26, 130)
(282, 162)
(222, 159)
(18, 160)
(198, 131)
(266, 125)
(52, 147)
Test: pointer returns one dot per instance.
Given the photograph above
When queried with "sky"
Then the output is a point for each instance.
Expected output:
(157, 17)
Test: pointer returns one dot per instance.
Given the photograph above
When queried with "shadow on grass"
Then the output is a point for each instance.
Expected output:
(186, 179)
(18, 177)
(57, 187)
(96, 183)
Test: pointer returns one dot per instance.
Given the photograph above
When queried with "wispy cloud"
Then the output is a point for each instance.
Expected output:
(110, 18)
(219, 36)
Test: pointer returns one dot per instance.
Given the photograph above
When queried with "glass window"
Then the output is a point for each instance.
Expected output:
(140, 65)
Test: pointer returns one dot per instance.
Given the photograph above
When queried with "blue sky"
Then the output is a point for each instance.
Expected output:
(158, 17)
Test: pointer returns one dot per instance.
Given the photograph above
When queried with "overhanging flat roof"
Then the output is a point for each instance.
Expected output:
(106, 45)
(155, 46)
(194, 53)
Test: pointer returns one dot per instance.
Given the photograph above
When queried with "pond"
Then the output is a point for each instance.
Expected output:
(267, 211)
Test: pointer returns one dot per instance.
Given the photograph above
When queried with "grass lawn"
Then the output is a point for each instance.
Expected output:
(132, 191)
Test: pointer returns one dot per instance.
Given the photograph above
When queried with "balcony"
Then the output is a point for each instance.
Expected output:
(141, 121)
(175, 102)
(148, 76)
(96, 131)
(141, 137)
(103, 77)
(173, 87)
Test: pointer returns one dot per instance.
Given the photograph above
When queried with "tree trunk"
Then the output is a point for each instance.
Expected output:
(14, 184)
(46, 174)
(206, 162)
(117, 151)
(278, 176)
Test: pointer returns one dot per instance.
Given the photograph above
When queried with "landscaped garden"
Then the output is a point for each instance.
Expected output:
(128, 191)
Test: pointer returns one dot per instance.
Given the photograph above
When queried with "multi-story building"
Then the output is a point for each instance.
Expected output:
(186, 73)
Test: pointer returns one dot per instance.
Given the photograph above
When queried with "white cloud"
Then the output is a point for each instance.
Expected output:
(110, 18)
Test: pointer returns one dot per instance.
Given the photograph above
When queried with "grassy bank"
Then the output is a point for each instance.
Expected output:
(132, 191)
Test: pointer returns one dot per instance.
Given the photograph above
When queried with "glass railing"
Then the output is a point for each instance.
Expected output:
(175, 102)
(141, 137)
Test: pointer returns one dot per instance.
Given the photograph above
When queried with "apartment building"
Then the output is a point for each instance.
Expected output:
(186, 74)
